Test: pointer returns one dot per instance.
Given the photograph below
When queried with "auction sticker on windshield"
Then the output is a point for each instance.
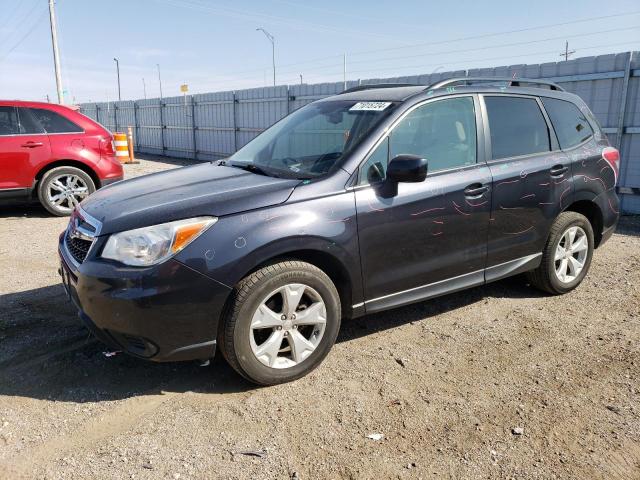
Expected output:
(369, 106)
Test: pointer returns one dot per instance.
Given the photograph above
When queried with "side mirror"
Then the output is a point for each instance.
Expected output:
(407, 168)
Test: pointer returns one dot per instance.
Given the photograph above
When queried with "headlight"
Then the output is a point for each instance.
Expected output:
(152, 245)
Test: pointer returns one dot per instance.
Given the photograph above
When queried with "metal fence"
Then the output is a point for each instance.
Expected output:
(214, 125)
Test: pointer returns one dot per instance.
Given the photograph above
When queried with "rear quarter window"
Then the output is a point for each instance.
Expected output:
(54, 122)
(570, 124)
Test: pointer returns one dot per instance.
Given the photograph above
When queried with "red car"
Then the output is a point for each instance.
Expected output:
(55, 153)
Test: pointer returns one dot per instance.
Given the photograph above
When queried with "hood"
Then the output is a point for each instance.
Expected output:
(203, 189)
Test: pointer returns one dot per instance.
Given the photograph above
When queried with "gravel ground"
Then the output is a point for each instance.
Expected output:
(495, 382)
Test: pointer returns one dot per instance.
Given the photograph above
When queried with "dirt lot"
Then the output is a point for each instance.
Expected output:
(447, 382)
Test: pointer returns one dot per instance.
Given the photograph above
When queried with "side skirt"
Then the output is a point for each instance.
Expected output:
(450, 285)
(513, 267)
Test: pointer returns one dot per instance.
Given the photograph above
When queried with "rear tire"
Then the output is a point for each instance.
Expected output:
(63, 188)
(280, 323)
(567, 255)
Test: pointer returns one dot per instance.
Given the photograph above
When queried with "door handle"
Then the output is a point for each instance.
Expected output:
(475, 190)
(558, 170)
(32, 144)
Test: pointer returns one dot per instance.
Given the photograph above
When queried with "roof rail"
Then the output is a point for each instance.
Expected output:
(379, 85)
(511, 82)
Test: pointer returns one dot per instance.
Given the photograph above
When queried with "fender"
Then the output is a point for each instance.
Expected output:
(322, 229)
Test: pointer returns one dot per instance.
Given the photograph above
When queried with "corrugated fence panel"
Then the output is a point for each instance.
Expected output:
(106, 115)
(178, 122)
(150, 134)
(630, 168)
(214, 125)
(214, 116)
(258, 109)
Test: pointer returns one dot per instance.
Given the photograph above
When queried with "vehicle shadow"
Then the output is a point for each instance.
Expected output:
(47, 354)
(19, 209)
(514, 287)
(629, 225)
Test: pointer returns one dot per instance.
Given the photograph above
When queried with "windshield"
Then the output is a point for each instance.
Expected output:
(310, 141)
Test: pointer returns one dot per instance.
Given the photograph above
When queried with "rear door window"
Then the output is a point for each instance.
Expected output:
(9, 124)
(517, 127)
(54, 122)
(28, 123)
(570, 124)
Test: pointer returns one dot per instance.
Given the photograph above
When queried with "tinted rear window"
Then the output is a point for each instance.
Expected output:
(517, 127)
(8, 121)
(28, 123)
(54, 122)
(570, 124)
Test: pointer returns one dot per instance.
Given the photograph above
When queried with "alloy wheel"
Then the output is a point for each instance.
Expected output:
(66, 191)
(571, 254)
(288, 326)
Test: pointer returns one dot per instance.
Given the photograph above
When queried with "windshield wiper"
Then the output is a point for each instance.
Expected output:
(250, 167)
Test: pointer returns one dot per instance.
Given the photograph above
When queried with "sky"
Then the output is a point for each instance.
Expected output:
(213, 45)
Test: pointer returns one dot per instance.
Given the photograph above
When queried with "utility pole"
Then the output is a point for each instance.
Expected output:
(273, 51)
(56, 52)
(344, 70)
(159, 80)
(144, 87)
(567, 52)
(118, 70)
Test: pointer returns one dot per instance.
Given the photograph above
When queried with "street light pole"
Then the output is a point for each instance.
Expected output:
(273, 51)
(344, 71)
(118, 70)
(144, 87)
(56, 53)
(159, 80)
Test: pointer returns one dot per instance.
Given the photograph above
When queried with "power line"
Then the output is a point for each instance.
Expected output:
(25, 36)
(283, 67)
(261, 17)
(338, 73)
(25, 18)
(15, 10)
(503, 45)
(387, 59)
(471, 60)
(507, 32)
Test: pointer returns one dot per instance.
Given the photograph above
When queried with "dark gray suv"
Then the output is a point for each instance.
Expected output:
(378, 197)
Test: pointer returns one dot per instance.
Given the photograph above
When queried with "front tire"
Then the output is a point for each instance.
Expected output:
(280, 323)
(567, 255)
(63, 188)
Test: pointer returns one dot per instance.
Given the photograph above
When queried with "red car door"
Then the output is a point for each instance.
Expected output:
(24, 148)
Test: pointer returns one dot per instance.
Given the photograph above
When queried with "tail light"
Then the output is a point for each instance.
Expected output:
(612, 156)
(107, 147)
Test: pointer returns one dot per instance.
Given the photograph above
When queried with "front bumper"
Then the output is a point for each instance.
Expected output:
(168, 312)
(108, 181)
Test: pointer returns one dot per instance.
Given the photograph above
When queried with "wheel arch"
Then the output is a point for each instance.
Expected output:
(66, 163)
(330, 264)
(592, 211)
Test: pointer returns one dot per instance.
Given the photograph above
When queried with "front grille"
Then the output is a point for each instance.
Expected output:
(77, 247)
(80, 234)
